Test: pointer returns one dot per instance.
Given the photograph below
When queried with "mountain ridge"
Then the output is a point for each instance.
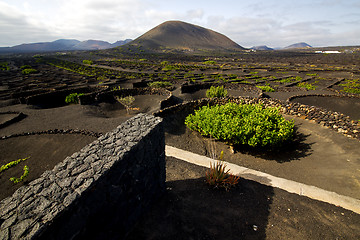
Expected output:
(62, 45)
(298, 46)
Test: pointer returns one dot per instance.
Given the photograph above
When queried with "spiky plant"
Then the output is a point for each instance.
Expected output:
(218, 177)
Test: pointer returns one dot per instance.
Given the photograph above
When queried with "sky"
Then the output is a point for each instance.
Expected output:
(249, 23)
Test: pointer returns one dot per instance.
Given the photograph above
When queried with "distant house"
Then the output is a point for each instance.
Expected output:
(327, 52)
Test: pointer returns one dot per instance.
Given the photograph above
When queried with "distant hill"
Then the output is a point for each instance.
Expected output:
(62, 45)
(262, 48)
(177, 35)
(298, 45)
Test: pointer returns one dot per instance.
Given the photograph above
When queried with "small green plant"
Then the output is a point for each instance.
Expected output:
(158, 84)
(88, 62)
(101, 78)
(351, 86)
(307, 86)
(169, 68)
(28, 71)
(25, 67)
(216, 92)
(12, 164)
(73, 98)
(4, 66)
(266, 88)
(311, 74)
(209, 62)
(116, 88)
(218, 177)
(351, 90)
(25, 174)
(126, 102)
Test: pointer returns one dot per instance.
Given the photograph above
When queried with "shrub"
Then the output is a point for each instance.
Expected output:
(25, 66)
(169, 68)
(266, 88)
(242, 124)
(218, 177)
(216, 92)
(73, 98)
(25, 174)
(209, 62)
(4, 66)
(27, 71)
(159, 84)
(351, 90)
(308, 86)
(88, 62)
(12, 164)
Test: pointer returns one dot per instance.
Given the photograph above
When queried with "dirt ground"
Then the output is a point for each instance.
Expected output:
(192, 210)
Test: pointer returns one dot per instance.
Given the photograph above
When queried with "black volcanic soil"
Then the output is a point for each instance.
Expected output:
(189, 209)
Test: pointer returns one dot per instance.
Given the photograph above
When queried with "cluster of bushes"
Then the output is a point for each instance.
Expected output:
(27, 69)
(159, 84)
(242, 124)
(351, 86)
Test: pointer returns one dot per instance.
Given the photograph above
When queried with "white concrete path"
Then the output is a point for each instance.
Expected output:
(269, 180)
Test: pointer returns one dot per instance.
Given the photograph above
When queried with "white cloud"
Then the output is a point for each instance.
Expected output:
(248, 23)
(17, 28)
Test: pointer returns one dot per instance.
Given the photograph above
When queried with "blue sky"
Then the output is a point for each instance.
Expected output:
(248, 22)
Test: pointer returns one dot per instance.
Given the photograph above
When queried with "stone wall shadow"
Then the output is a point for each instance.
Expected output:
(192, 210)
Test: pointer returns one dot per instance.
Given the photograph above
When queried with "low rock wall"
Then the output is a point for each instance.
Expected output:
(97, 193)
(332, 120)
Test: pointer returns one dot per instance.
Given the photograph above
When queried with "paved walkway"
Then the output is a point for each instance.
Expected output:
(267, 179)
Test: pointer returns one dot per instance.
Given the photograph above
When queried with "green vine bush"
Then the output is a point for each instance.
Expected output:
(12, 164)
(28, 71)
(307, 86)
(126, 101)
(242, 124)
(25, 174)
(88, 62)
(159, 84)
(4, 66)
(266, 88)
(216, 92)
(73, 98)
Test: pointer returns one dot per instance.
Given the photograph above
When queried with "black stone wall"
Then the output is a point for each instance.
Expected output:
(97, 193)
